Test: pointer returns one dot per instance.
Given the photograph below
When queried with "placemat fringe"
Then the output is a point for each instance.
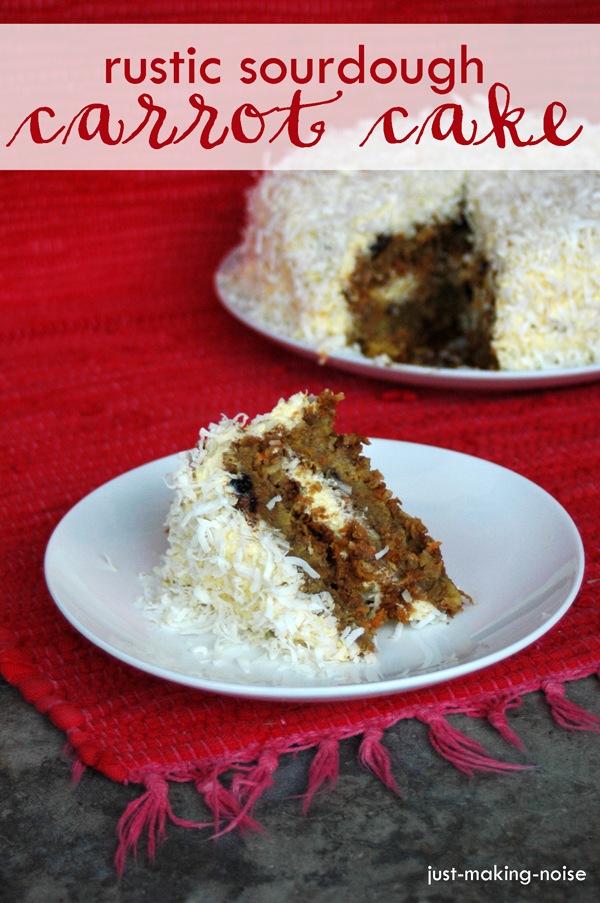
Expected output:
(148, 814)
(374, 757)
(225, 805)
(496, 715)
(324, 769)
(78, 766)
(248, 787)
(466, 754)
(568, 714)
(232, 807)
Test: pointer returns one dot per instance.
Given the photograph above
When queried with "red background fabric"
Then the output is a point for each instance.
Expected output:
(519, 11)
(115, 351)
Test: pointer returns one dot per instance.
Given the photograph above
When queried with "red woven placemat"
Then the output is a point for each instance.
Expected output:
(115, 351)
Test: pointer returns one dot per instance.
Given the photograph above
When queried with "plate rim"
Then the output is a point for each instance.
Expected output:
(411, 374)
(321, 693)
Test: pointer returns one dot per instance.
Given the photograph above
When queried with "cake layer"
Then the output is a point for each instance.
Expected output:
(425, 300)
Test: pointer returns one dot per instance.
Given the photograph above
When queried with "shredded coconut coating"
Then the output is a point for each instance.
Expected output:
(540, 232)
(225, 575)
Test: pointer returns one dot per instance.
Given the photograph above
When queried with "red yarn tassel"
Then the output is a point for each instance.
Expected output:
(247, 787)
(324, 769)
(468, 755)
(148, 813)
(569, 714)
(224, 806)
(496, 715)
(78, 766)
(373, 756)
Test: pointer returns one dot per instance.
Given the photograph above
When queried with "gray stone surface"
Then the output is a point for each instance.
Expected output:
(358, 843)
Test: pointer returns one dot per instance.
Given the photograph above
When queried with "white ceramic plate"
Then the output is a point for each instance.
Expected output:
(506, 542)
(402, 373)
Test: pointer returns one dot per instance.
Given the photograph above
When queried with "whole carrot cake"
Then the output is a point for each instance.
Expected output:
(487, 270)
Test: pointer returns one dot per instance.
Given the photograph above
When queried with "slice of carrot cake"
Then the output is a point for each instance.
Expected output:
(282, 535)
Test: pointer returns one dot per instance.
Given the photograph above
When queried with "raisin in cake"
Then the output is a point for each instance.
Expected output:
(491, 270)
(281, 535)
